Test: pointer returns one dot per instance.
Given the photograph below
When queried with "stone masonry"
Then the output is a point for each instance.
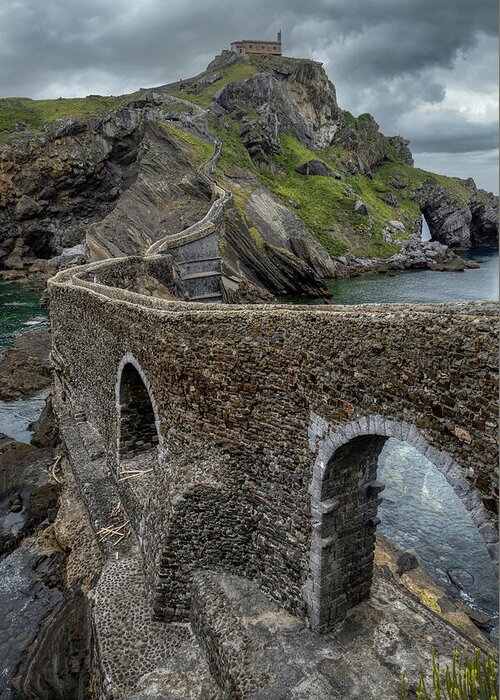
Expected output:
(269, 422)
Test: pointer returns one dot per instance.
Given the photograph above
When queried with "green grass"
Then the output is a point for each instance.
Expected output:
(235, 73)
(201, 150)
(36, 113)
(233, 152)
(471, 677)
(323, 206)
(258, 239)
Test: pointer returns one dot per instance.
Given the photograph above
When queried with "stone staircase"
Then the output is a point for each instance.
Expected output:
(196, 250)
(199, 270)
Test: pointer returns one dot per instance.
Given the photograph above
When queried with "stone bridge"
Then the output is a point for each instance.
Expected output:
(259, 427)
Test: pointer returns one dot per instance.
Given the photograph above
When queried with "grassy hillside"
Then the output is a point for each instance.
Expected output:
(200, 149)
(203, 97)
(325, 205)
(35, 113)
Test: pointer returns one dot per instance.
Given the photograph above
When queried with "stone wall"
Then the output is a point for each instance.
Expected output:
(274, 391)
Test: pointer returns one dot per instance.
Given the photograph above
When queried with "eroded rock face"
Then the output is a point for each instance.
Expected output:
(274, 250)
(456, 222)
(267, 266)
(113, 183)
(294, 98)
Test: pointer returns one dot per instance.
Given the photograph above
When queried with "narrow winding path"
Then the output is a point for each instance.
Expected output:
(198, 258)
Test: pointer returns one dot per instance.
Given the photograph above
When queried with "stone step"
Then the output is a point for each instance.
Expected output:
(201, 275)
(208, 298)
(199, 260)
(188, 267)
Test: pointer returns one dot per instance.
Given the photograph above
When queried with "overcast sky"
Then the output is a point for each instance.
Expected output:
(426, 69)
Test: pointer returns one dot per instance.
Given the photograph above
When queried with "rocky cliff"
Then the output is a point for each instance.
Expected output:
(310, 182)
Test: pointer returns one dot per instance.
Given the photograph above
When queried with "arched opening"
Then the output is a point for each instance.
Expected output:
(344, 529)
(138, 435)
(426, 232)
(208, 528)
(345, 498)
(423, 515)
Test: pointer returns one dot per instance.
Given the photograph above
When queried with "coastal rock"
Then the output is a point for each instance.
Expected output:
(25, 367)
(413, 254)
(484, 223)
(461, 578)
(272, 248)
(26, 492)
(458, 222)
(56, 663)
(406, 562)
(266, 265)
(45, 432)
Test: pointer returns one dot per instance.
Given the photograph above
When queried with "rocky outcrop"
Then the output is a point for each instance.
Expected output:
(290, 97)
(44, 429)
(264, 266)
(413, 255)
(61, 189)
(27, 496)
(456, 220)
(270, 246)
(54, 185)
(25, 367)
(361, 137)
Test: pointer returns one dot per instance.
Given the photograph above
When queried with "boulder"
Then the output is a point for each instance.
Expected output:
(389, 198)
(360, 208)
(406, 562)
(26, 208)
(317, 167)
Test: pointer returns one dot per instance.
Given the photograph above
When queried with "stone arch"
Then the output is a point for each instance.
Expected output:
(344, 500)
(138, 422)
(208, 529)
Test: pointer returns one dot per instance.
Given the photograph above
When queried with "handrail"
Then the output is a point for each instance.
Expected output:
(192, 232)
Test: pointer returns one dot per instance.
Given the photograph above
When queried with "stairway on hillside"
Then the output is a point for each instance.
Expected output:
(199, 270)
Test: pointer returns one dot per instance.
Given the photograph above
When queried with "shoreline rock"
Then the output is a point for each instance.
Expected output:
(413, 255)
(25, 367)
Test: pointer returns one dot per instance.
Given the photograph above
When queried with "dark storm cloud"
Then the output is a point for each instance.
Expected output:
(390, 57)
(454, 137)
(43, 40)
